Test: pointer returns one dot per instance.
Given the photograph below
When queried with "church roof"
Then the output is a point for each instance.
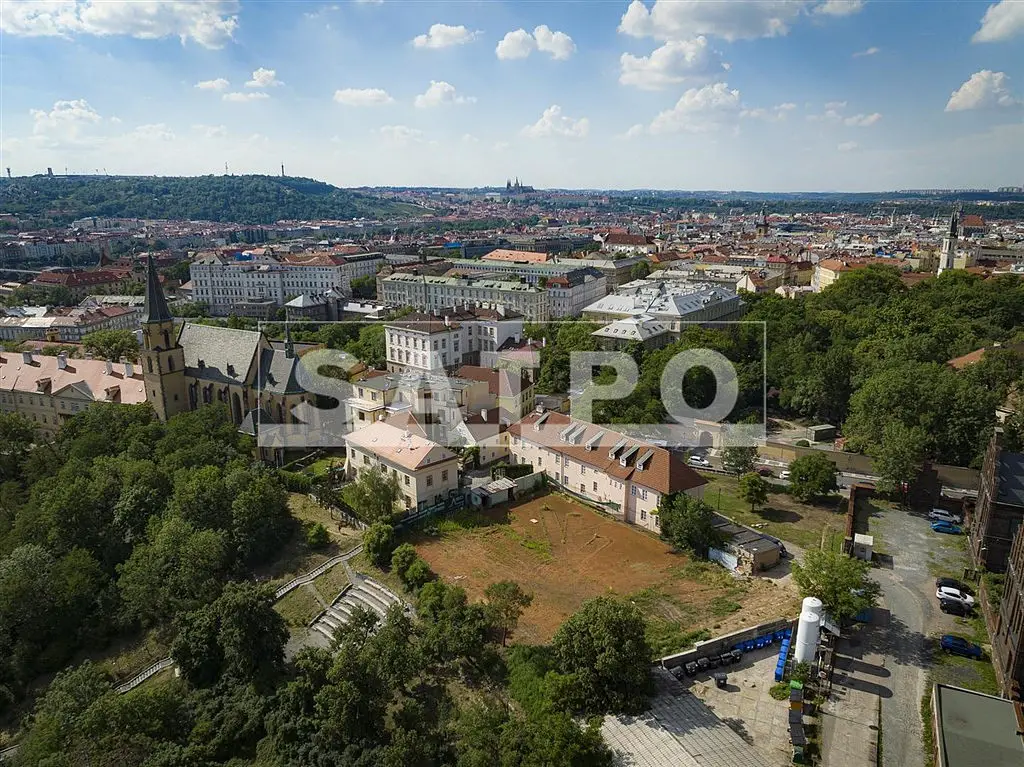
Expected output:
(155, 309)
(223, 355)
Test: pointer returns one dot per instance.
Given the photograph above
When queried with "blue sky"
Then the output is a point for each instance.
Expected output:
(762, 95)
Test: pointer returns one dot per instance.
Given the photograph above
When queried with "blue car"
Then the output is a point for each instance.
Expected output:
(946, 527)
(960, 646)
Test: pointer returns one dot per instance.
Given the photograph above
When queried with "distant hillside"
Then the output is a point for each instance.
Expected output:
(237, 199)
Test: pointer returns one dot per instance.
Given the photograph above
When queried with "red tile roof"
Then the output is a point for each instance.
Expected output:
(664, 471)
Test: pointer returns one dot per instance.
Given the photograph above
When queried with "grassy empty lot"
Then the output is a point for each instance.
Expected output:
(564, 553)
(298, 607)
(783, 516)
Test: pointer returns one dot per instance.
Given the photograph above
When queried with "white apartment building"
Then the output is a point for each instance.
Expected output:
(428, 293)
(66, 325)
(227, 282)
(447, 338)
(570, 294)
(426, 471)
(627, 476)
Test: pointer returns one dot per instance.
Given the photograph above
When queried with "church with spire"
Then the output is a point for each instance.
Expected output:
(947, 256)
(194, 365)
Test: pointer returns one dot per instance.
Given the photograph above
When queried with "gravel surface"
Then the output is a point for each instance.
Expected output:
(908, 594)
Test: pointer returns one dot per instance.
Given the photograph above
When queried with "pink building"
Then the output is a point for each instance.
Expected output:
(627, 476)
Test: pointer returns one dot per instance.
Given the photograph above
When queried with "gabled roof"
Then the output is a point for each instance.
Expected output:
(664, 471)
(222, 355)
(405, 449)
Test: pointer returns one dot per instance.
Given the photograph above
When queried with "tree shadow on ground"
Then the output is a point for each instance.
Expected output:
(740, 728)
(771, 514)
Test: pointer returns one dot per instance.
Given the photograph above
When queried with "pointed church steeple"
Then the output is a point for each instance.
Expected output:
(155, 309)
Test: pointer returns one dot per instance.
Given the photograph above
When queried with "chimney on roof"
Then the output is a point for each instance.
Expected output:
(447, 321)
(109, 367)
(483, 414)
(129, 370)
(62, 361)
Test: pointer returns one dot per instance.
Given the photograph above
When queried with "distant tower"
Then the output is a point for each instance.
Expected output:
(761, 228)
(8, 173)
(508, 185)
(49, 172)
(892, 219)
(163, 358)
(282, 170)
(949, 241)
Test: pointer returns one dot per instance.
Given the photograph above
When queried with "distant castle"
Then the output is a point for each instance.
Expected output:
(517, 188)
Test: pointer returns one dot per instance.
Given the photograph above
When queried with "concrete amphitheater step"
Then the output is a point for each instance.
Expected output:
(361, 599)
(325, 630)
(374, 598)
(381, 591)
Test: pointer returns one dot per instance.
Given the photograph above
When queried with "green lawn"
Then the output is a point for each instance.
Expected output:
(783, 516)
(330, 584)
(298, 607)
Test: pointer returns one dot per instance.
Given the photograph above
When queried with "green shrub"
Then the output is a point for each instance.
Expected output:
(378, 542)
(779, 691)
(294, 481)
(802, 443)
(317, 537)
(418, 574)
(402, 559)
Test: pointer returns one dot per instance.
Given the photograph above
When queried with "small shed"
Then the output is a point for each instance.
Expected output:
(863, 545)
(821, 433)
(494, 493)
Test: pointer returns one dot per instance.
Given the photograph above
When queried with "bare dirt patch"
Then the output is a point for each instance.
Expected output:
(565, 553)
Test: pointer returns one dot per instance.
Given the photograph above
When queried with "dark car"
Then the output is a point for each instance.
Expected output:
(953, 607)
(953, 583)
(764, 471)
(959, 646)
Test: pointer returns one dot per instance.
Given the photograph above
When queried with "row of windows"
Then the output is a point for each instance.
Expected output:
(6, 399)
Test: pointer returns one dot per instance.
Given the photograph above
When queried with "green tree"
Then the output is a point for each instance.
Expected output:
(640, 270)
(317, 536)
(17, 433)
(739, 460)
(418, 574)
(364, 287)
(112, 344)
(897, 460)
(379, 542)
(373, 496)
(402, 559)
(507, 601)
(239, 636)
(812, 476)
(753, 489)
(370, 347)
(602, 652)
(453, 630)
(842, 583)
(688, 523)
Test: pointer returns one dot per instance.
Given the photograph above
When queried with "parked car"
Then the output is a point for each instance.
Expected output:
(952, 607)
(941, 515)
(699, 460)
(764, 471)
(953, 583)
(948, 592)
(959, 646)
(946, 527)
(784, 474)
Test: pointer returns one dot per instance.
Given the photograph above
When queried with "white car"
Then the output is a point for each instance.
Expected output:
(941, 515)
(784, 474)
(698, 460)
(955, 595)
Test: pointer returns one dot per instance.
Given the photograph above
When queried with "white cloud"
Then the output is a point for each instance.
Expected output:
(365, 2)
(1001, 21)
(867, 52)
(501, 146)
(515, 45)
(210, 23)
(401, 134)
(633, 132)
(263, 78)
(211, 131)
(362, 97)
(699, 110)
(444, 36)
(983, 90)
(440, 93)
(835, 105)
(847, 146)
(213, 85)
(683, 19)
(672, 63)
(469, 138)
(558, 44)
(64, 114)
(839, 7)
(776, 113)
(518, 44)
(250, 96)
(554, 123)
(862, 121)
(153, 132)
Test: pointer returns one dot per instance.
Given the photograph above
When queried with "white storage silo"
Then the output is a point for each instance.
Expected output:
(812, 605)
(806, 637)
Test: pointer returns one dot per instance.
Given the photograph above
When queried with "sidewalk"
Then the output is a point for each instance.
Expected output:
(850, 714)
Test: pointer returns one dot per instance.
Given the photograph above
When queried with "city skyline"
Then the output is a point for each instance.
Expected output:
(800, 96)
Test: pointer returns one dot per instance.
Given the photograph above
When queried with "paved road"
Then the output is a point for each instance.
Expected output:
(909, 614)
